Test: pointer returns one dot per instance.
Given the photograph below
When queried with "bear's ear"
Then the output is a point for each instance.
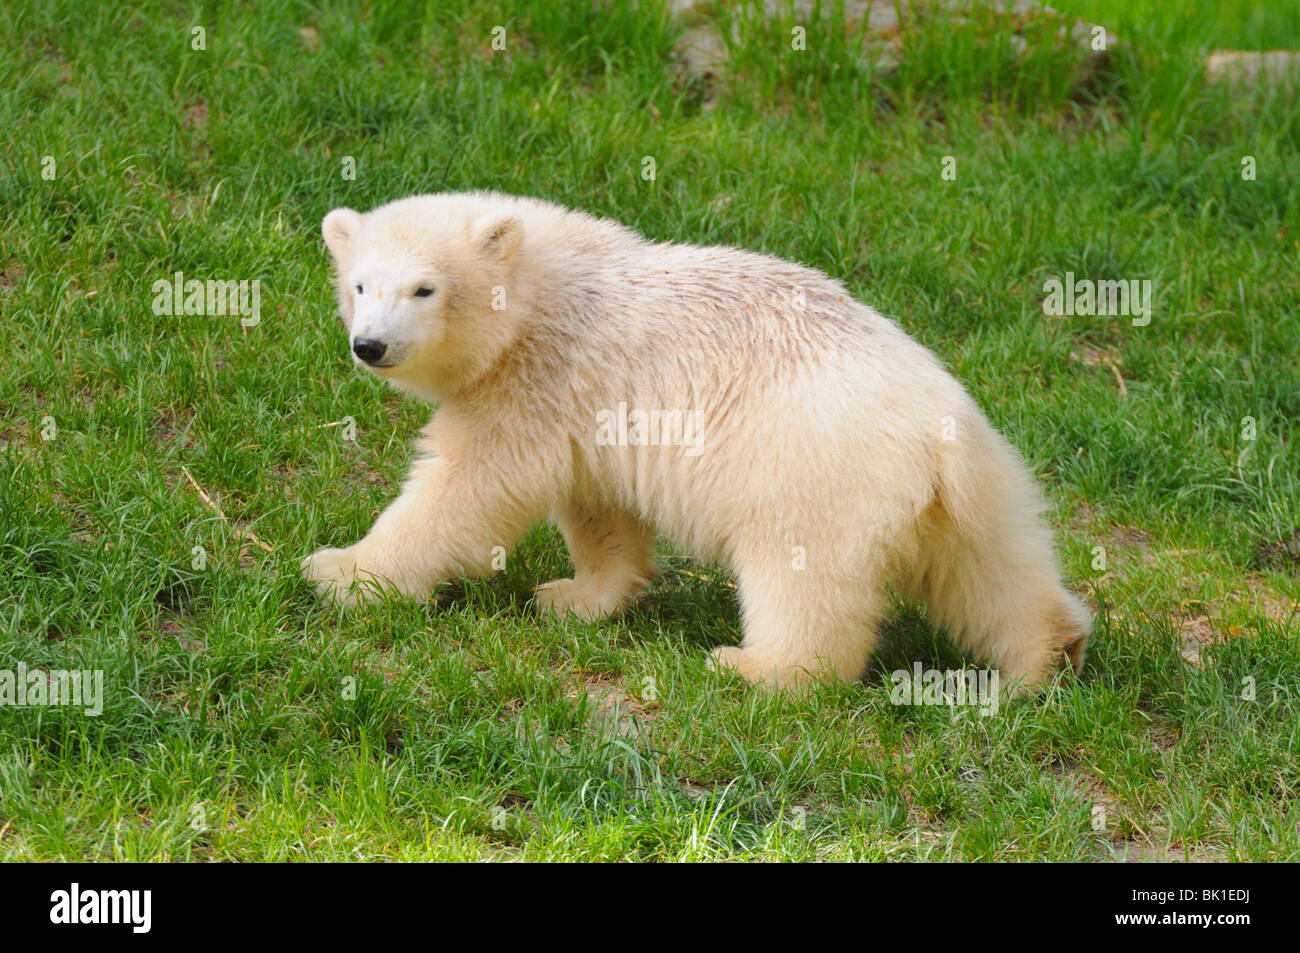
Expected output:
(339, 228)
(498, 235)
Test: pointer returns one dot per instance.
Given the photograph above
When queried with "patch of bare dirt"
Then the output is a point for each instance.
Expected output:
(1280, 555)
(1135, 852)
(614, 708)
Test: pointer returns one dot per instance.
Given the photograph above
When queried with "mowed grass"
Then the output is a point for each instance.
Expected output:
(244, 720)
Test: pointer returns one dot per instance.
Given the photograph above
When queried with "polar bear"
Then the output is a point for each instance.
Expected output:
(742, 405)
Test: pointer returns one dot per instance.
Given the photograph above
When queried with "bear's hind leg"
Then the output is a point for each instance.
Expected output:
(612, 553)
(1000, 596)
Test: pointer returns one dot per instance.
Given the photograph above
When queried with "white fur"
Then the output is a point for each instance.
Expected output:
(823, 430)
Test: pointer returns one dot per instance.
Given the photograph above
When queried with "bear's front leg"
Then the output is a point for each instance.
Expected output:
(612, 555)
(352, 576)
(448, 520)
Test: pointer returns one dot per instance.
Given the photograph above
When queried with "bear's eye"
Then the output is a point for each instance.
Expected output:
(423, 292)
(360, 290)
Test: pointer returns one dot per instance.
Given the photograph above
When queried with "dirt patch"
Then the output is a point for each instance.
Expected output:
(1133, 852)
(12, 275)
(1104, 358)
(1116, 537)
(1280, 555)
(195, 115)
(1267, 601)
(180, 628)
(613, 708)
(1195, 633)
(1130, 538)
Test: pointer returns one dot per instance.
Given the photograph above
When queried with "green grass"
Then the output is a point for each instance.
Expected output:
(1207, 24)
(243, 720)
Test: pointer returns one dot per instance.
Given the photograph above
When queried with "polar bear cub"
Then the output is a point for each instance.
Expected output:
(742, 405)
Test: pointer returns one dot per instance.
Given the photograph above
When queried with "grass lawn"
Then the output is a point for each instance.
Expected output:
(244, 720)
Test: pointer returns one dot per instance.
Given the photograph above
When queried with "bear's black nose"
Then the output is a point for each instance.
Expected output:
(368, 349)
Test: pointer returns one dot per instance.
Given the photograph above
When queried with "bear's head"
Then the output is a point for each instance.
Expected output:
(424, 288)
